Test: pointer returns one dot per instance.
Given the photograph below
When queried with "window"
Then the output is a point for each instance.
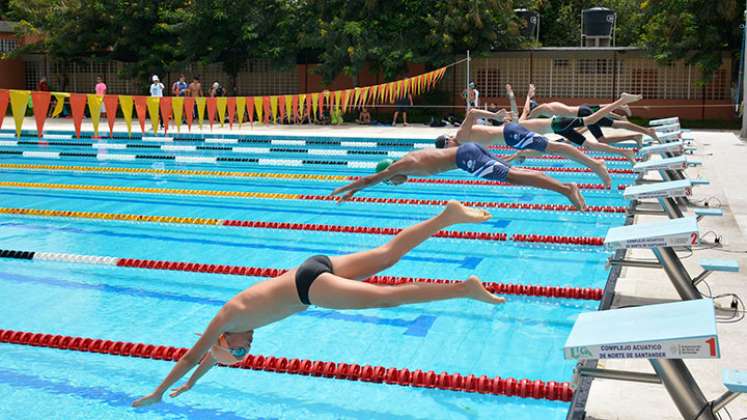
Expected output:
(595, 66)
(7, 45)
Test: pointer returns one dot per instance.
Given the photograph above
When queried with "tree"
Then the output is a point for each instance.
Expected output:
(698, 31)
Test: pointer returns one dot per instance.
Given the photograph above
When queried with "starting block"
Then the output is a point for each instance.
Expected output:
(704, 211)
(673, 147)
(671, 233)
(668, 128)
(664, 334)
(669, 137)
(681, 188)
(664, 121)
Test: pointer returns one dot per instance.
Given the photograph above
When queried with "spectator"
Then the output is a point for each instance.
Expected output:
(156, 88)
(179, 88)
(402, 104)
(472, 96)
(216, 90)
(364, 117)
(195, 88)
(42, 86)
(101, 91)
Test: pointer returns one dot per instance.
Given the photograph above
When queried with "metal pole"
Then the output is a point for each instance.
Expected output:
(723, 400)
(743, 134)
(619, 375)
(467, 83)
(677, 274)
(670, 207)
(681, 386)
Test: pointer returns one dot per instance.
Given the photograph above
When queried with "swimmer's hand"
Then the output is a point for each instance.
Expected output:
(500, 115)
(346, 197)
(178, 390)
(147, 400)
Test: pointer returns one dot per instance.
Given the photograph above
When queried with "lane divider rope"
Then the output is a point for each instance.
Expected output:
(357, 164)
(493, 287)
(314, 177)
(283, 196)
(525, 388)
(483, 236)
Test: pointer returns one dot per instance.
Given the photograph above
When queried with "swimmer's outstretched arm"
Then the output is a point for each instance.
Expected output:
(400, 167)
(206, 364)
(188, 361)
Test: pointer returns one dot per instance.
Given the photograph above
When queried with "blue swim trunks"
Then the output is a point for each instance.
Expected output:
(475, 159)
(520, 138)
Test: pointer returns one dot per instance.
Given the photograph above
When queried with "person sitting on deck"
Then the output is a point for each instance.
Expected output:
(328, 282)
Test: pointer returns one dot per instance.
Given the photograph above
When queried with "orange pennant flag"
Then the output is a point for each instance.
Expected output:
(240, 109)
(231, 104)
(281, 108)
(141, 109)
(77, 108)
(289, 107)
(125, 102)
(374, 94)
(4, 98)
(338, 99)
(398, 90)
(110, 104)
(295, 106)
(177, 105)
(200, 101)
(346, 98)
(321, 103)
(308, 108)
(266, 108)
(189, 111)
(413, 83)
(221, 103)
(382, 93)
(41, 102)
(250, 109)
(364, 96)
(211, 111)
(166, 109)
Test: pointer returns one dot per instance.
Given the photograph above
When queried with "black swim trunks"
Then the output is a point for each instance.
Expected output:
(566, 127)
(596, 130)
(308, 271)
(403, 103)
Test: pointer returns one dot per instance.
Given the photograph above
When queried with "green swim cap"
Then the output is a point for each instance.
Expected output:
(384, 164)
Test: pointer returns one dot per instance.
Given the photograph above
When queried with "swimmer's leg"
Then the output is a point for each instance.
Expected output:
(624, 137)
(576, 155)
(625, 98)
(627, 125)
(540, 180)
(335, 292)
(361, 265)
(553, 108)
(602, 147)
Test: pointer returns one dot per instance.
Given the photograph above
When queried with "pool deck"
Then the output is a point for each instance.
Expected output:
(723, 156)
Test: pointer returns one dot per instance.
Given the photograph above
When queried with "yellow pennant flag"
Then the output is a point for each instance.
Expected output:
(94, 108)
(301, 107)
(399, 90)
(364, 96)
(220, 105)
(289, 107)
(59, 98)
(240, 109)
(390, 92)
(200, 101)
(346, 99)
(177, 105)
(412, 84)
(19, 100)
(153, 108)
(125, 103)
(356, 97)
(338, 96)
(374, 93)
(274, 108)
(314, 103)
(258, 108)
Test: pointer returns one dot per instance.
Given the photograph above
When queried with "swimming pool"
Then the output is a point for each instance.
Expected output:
(282, 183)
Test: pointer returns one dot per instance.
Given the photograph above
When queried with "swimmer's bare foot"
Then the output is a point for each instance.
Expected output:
(509, 90)
(456, 212)
(639, 140)
(475, 290)
(630, 155)
(653, 135)
(576, 197)
(531, 91)
(628, 98)
(626, 110)
(600, 168)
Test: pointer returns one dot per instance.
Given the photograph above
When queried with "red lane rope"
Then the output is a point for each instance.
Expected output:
(487, 182)
(525, 388)
(487, 204)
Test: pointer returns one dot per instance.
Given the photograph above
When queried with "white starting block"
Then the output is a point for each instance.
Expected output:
(664, 121)
(669, 137)
(661, 237)
(680, 188)
(677, 163)
(664, 334)
(668, 128)
(673, 147)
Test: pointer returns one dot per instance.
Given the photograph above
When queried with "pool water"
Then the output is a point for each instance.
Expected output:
(521, 339)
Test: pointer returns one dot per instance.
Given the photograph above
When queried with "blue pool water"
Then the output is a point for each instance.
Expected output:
(521, 339)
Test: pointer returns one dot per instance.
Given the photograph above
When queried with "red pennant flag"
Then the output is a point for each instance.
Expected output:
(211, 111)
(231, 104)
(166, 110)
(250, 109)
(141, 108)
(281, 107)
(41, 102)
(267, 108)
(77, 107)
(110, 104)
(189, 110)
(294, 105)
(4, 98)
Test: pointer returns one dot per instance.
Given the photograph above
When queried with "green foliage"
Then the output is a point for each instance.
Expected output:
(697, 31)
